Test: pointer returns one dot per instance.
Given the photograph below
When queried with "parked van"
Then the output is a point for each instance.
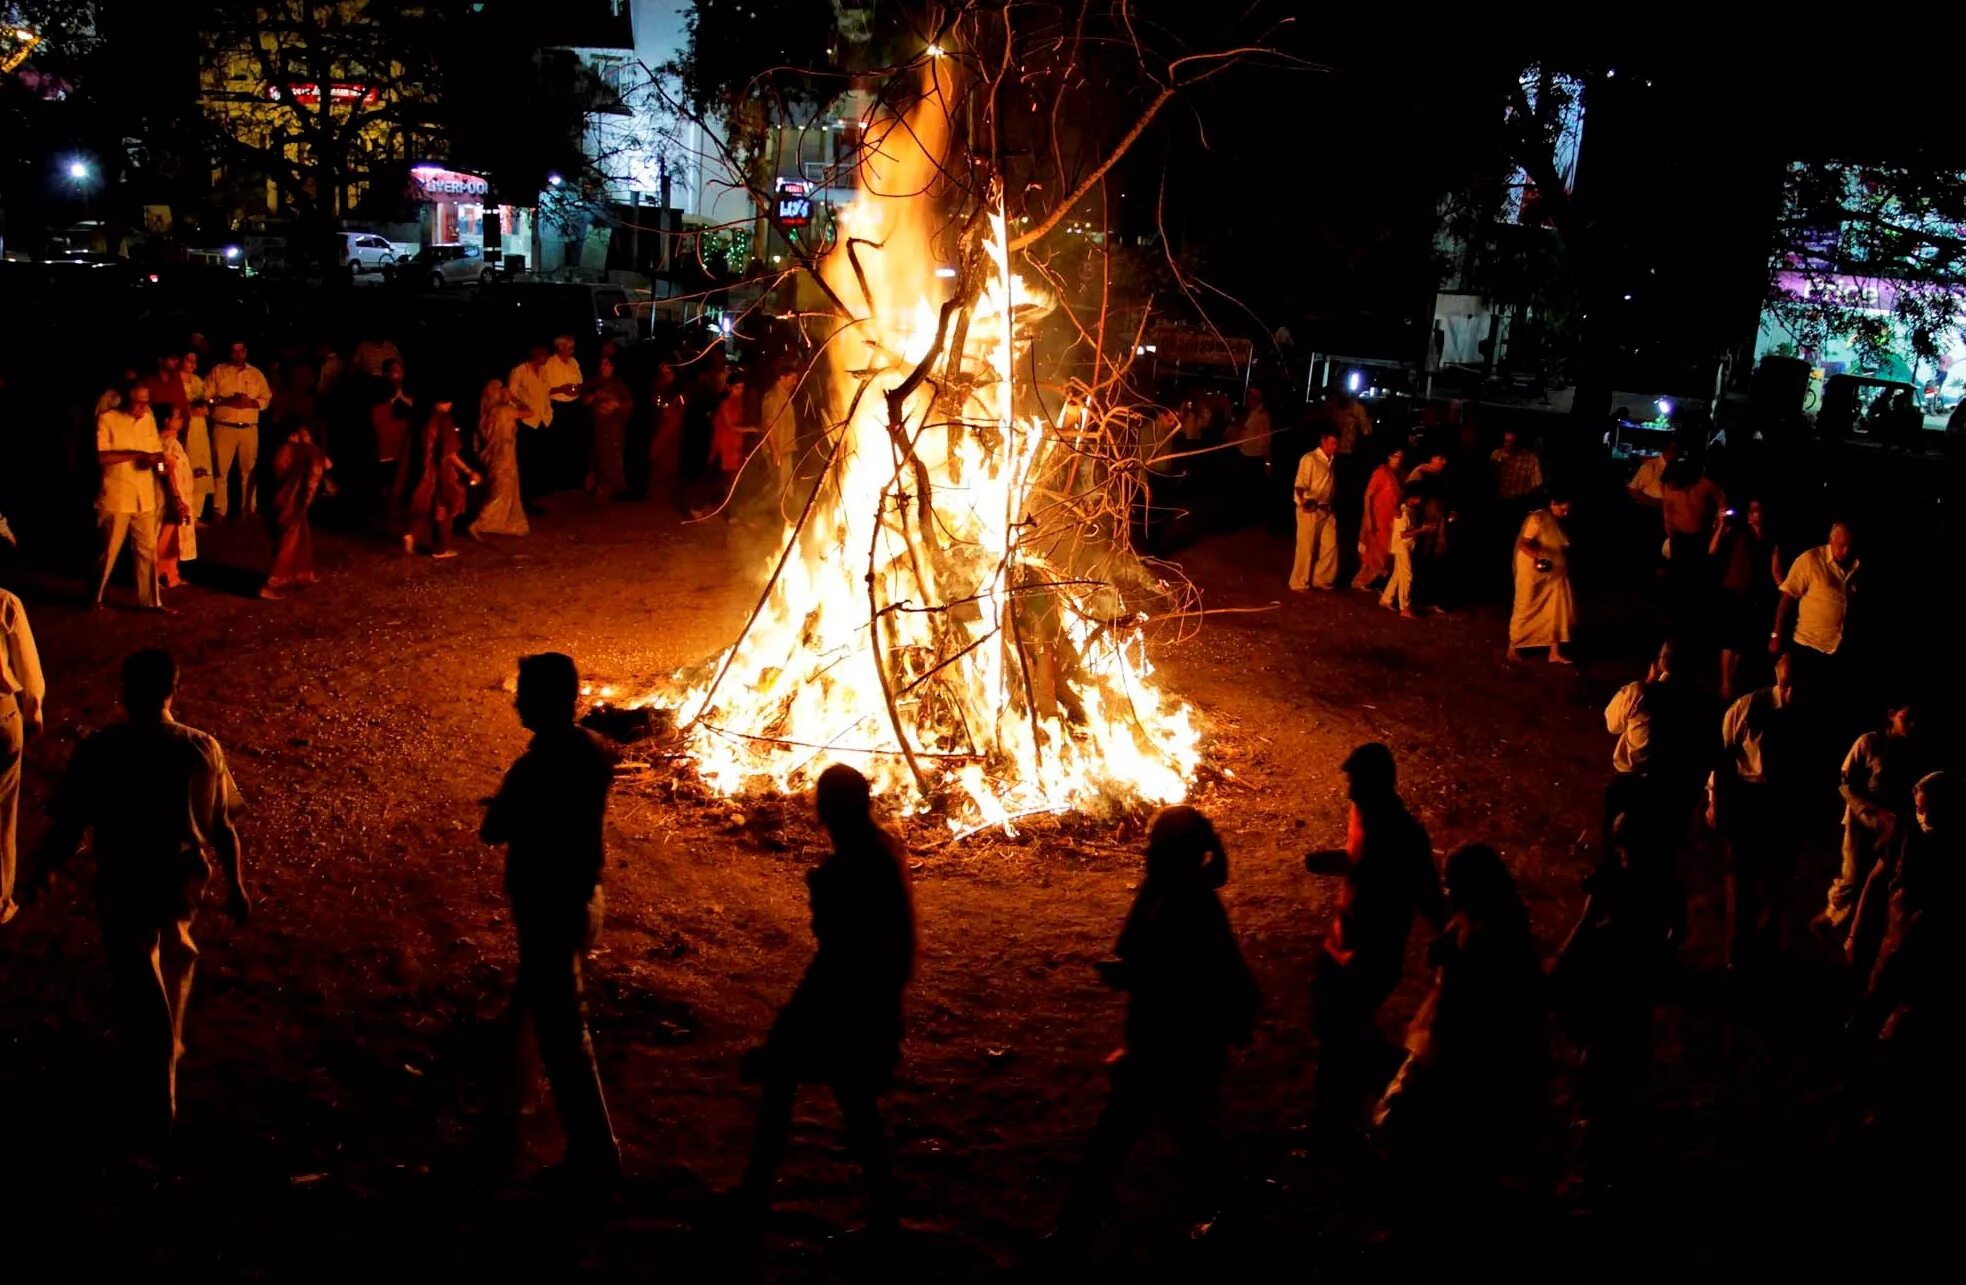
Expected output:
(539, 310)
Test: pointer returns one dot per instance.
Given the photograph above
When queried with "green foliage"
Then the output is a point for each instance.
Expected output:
(1875, 253)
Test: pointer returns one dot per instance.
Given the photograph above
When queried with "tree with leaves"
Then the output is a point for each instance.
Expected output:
(321, 99)
(1874, 255)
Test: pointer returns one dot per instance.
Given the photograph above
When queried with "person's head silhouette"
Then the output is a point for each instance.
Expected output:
(149, 681)
(1183, 844)
(844, 799)
(549, 685)
(1369, 772)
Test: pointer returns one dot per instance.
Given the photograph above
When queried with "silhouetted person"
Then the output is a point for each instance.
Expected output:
(551, 811)
(1903, 991)
(1649, 764)
(1609, 971)
(156, 800)
(1389, 874)
(1751, 799)
(1462, 1114)
(1189, 997)
(842, 1027)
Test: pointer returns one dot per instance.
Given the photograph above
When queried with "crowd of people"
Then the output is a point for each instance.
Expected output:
(1457, 1110)
(197, 440)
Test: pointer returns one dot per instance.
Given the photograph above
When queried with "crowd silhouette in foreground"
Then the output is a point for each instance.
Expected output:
(1456, 1113)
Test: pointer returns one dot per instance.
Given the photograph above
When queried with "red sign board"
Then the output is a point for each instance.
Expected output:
(308, 95)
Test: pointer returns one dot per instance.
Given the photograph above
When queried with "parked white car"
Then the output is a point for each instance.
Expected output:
(361, 252)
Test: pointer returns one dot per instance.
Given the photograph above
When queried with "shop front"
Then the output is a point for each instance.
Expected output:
(456, 208)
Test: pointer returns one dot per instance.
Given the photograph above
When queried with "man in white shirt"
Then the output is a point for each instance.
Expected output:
(532, 391)
(1817, 592)
(574, 437)
(562, 372)
(238, 393)
(21, 692)
(1750, 801)
(128, 503)
(1647, 771)
(1316, 562)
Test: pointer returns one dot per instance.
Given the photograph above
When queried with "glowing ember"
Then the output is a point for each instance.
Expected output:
(931, 618)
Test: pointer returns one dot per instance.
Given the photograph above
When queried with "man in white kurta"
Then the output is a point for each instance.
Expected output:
(1316, 563)
(128, 503)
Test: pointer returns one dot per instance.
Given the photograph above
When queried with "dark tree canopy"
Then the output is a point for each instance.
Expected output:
(1873, 252)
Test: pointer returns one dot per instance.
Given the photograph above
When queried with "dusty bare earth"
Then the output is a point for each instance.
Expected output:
(340, 1043)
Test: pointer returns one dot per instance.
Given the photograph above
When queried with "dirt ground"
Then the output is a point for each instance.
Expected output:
(340, 1044)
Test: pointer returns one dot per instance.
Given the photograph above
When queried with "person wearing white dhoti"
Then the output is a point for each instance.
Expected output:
(1545, 610)
(1316, 563)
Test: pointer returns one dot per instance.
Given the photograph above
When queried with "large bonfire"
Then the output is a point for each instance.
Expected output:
(942, 612)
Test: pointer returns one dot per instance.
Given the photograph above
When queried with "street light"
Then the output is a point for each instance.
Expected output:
(83, 176)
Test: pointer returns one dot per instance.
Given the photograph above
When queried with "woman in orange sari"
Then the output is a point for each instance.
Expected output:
(1375, 528)
(430, 482)
(297, 470)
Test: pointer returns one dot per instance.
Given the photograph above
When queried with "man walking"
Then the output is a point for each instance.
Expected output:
(1750, 801)
(843, 1025)
(157, 800)
(129, 503)
(1878, 775)
(21, 692)
(238, 393)
(1388, 867)
(551, 813)
(1316, 561)
(1816, 593)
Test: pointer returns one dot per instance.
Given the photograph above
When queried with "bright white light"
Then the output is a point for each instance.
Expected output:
(78, 169)
(1628, 298)
(554, 180)
(1665, 408)
(945, 272)
(231, 251)
(1152, 348)
(934, 51)
(1353, 380)
(723, 324)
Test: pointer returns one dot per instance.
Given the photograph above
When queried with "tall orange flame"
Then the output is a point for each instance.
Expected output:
(933, 645)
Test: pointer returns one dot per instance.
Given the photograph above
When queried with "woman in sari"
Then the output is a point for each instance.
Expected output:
(297, 470)
(1375, 528)
(666, 440)
(610, 401)
(177, 536)
(1544, 606)
(498, 450)
(197, 434)
(430, 482)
